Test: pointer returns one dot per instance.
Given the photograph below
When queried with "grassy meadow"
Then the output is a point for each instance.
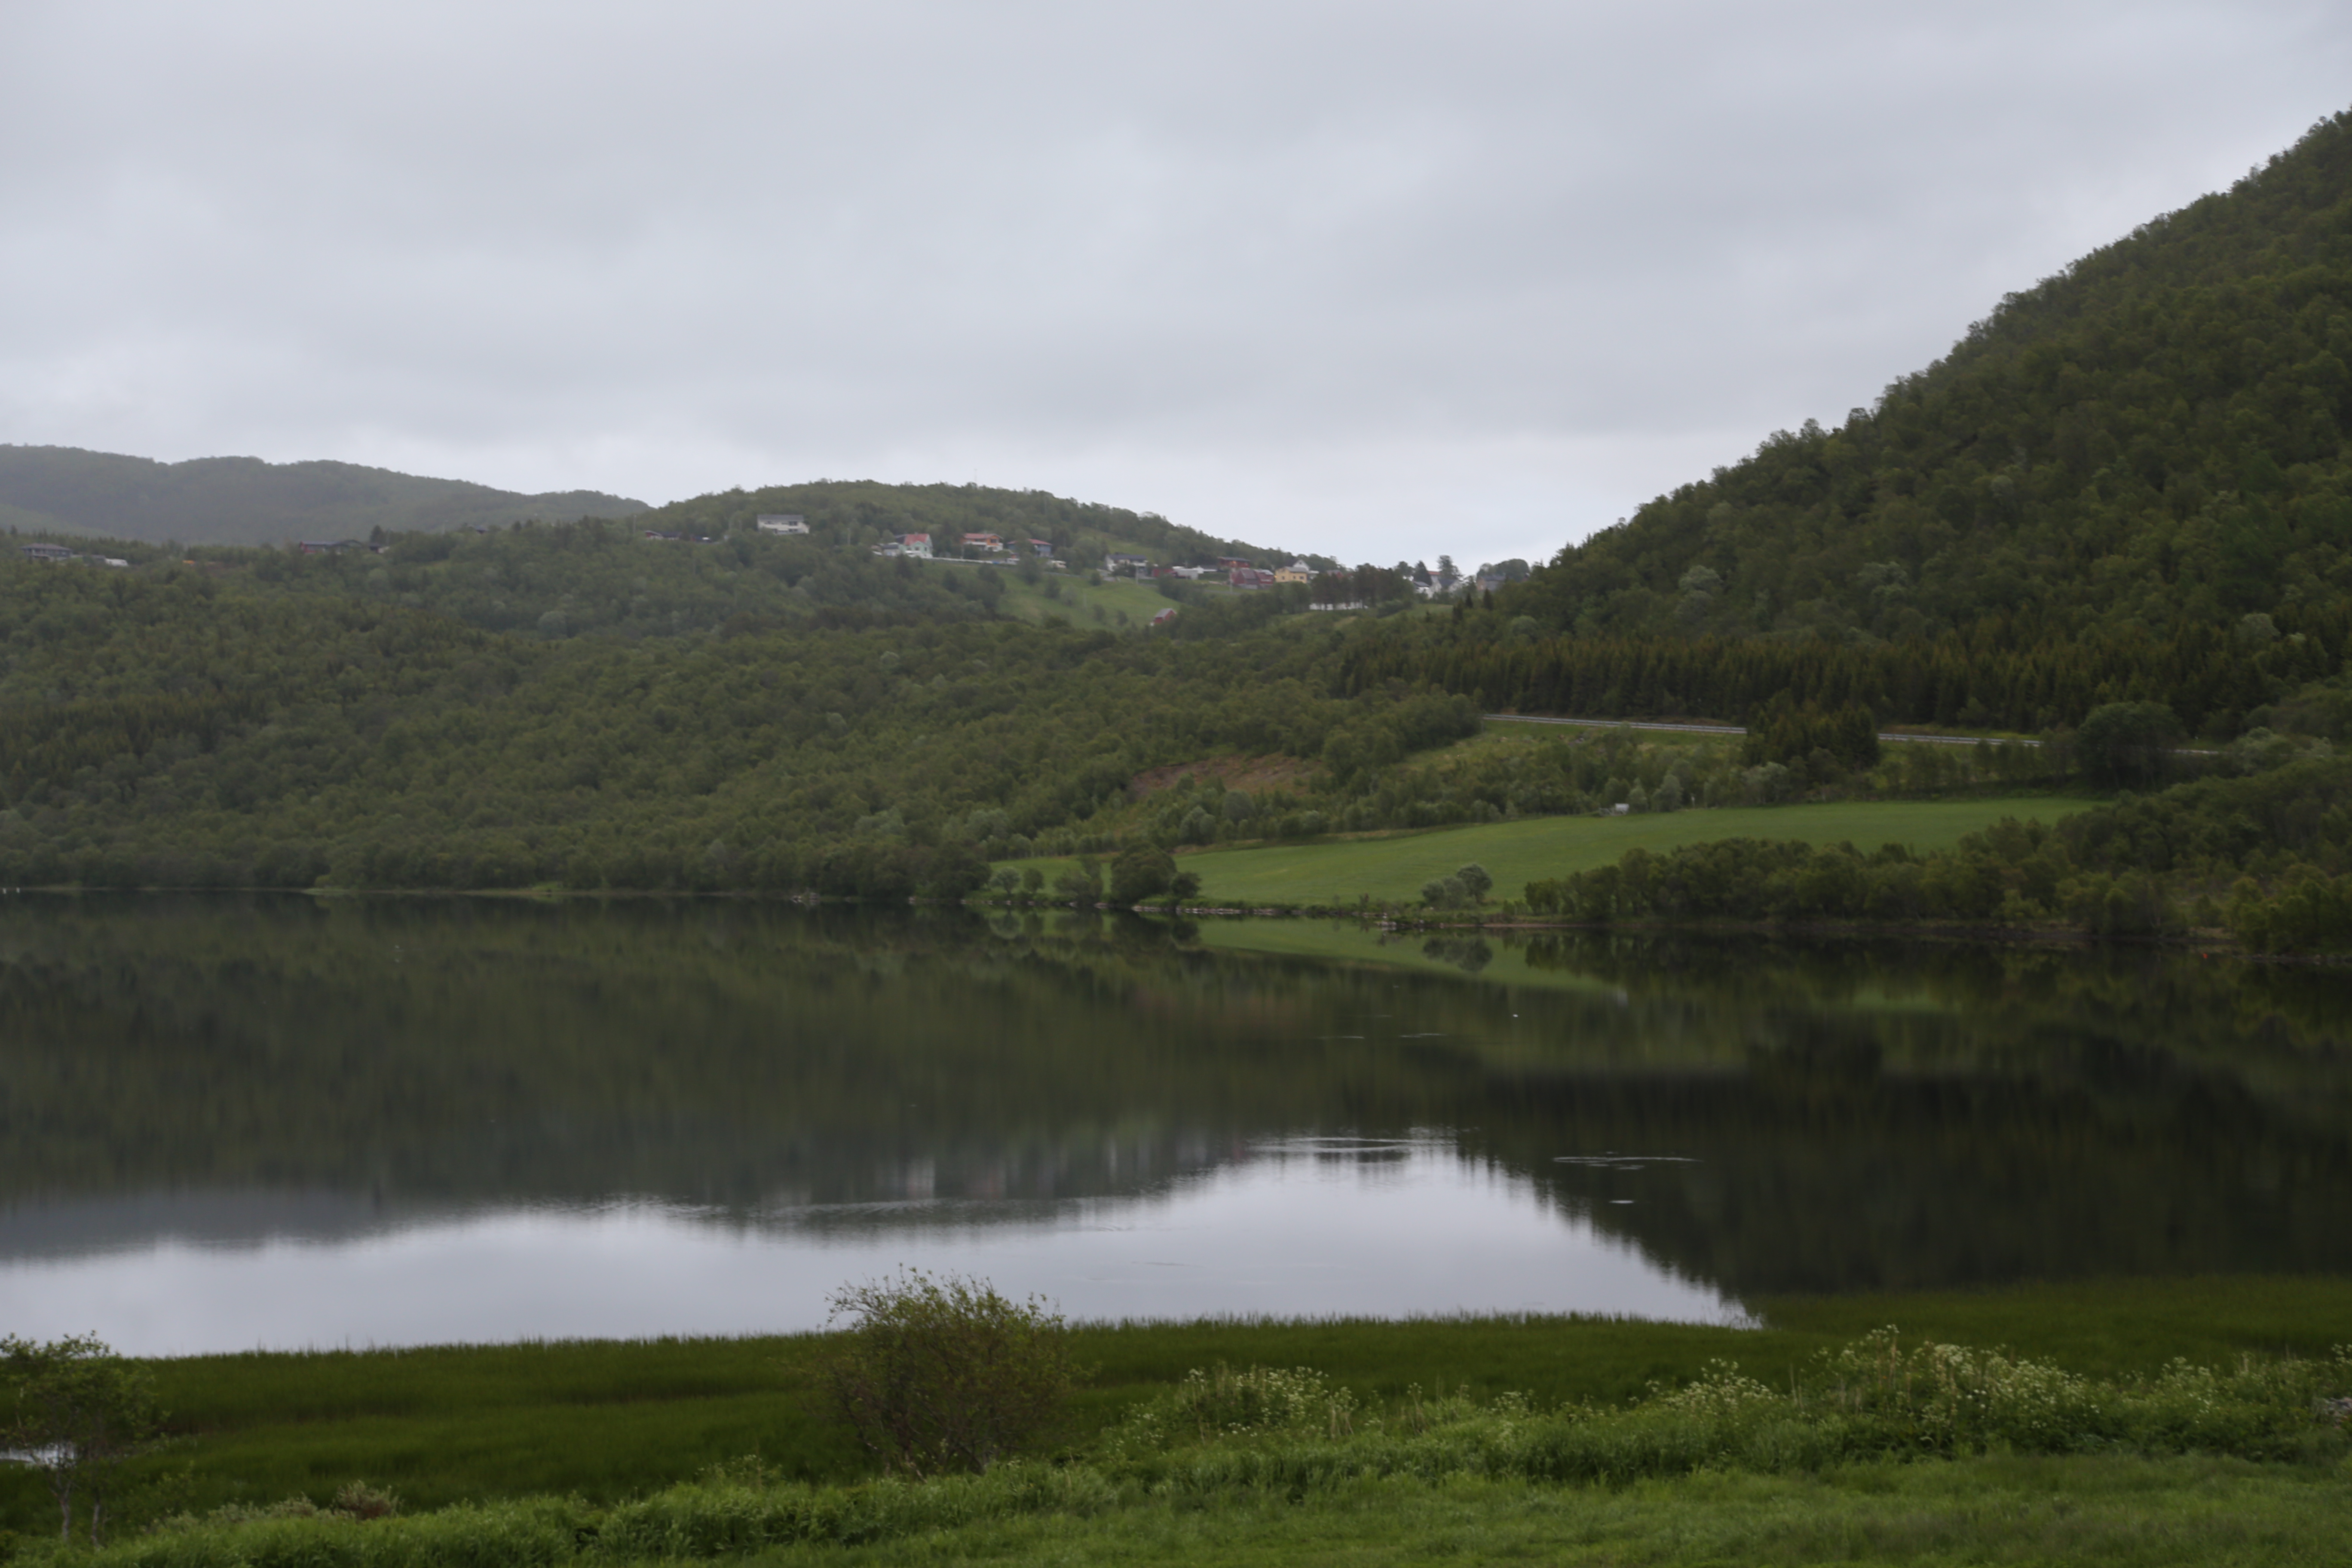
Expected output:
(1078, 600)
(606, 1421)
(2020, 1511)
(1391, 867)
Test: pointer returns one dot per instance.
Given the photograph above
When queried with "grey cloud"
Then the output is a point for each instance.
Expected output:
(1376, 279)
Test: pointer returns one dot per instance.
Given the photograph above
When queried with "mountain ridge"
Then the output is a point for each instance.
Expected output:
(248, 501)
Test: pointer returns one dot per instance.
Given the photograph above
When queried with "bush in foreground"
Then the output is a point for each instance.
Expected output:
(944, 1374)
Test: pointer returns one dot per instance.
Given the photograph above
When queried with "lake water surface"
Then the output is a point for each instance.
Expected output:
(229, 1122)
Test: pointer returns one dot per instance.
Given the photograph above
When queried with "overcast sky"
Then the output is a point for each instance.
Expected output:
(1377, 280)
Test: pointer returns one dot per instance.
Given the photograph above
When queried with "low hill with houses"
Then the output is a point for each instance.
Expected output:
(962, 521)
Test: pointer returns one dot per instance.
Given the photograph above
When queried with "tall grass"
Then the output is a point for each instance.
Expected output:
(1877, 1398)
(1294, 1435)
(611, 1420)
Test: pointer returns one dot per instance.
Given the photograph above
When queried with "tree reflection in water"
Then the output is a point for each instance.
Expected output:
(1764, 1116)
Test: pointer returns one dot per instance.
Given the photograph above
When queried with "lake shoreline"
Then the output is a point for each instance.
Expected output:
(607, 1421)
(2211, 943)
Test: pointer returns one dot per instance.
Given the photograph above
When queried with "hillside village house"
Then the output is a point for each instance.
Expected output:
(1116, 565)
(917, 545)
(59, 553)
(1296, 572)
(990, 544)
(783, 523)
(1250, 577)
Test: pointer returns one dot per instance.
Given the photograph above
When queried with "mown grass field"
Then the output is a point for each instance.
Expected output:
(610, 1420)
(1391, 867)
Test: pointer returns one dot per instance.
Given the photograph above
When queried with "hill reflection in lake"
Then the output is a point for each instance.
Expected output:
(649, 1116)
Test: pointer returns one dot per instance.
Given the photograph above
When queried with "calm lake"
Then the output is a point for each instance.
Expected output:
(227, 1122)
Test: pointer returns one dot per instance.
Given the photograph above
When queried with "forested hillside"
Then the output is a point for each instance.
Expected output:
(566, 579)
(699, 564)
(2130, 483)
(244, 500)
(2153, 439)
(164, 725)
(2117, 515)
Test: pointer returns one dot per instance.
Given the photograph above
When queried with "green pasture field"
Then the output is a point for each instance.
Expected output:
(1390, 868)
(2164, 1514)
(608, 1420)
(1079, 600)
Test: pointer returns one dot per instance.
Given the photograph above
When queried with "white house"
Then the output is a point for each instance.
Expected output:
(917, 545)
(783, 523)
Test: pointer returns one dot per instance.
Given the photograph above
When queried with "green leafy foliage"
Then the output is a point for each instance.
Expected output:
(2281, 840)
(2001, 672)
(1140, 873)
(944, 1374)
(77, 1413)
(2128, 744)
(184, 730)
(2304, 911)
(1786, 732)
(1469, 885)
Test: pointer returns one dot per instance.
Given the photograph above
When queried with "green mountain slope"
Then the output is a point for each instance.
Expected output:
(2153, 437)
(244, 500)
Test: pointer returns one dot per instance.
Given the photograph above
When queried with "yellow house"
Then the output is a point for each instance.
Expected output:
(1296, 572)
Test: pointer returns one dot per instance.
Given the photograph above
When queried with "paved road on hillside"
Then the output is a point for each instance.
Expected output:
(1733, 729)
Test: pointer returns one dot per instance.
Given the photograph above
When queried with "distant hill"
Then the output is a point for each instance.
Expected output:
(2153, 440)
(860, 512)
(244, 500)
(717, 568)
